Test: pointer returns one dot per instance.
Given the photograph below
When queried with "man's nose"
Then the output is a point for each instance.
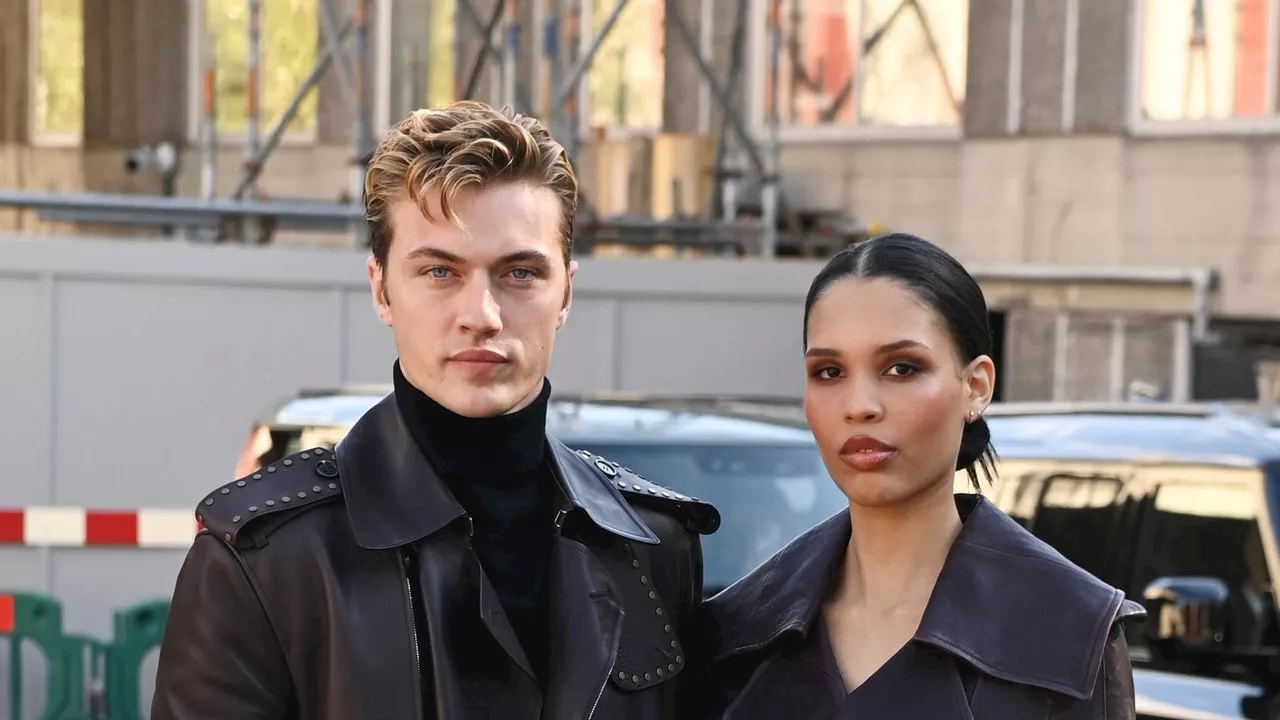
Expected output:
(481, 313)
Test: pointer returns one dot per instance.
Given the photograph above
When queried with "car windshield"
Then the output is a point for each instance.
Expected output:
(766, 494)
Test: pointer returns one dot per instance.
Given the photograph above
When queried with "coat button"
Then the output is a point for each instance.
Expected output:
(327, 468)
(606, 468)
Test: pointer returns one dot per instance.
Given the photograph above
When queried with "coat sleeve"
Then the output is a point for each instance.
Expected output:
(219, 657)
(1113, 694)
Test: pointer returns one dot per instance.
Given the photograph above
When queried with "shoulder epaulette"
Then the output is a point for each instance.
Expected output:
(698, 515)
(269, 494)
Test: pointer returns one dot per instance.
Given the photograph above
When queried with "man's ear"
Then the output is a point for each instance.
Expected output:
(378, 287)
(568, 294)
(980, 381)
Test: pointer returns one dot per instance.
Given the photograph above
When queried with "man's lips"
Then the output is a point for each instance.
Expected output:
(478, 355)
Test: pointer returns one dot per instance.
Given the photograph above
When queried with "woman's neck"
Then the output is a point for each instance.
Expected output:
(895, 553)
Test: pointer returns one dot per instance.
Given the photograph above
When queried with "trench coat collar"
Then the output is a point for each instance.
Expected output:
(394, 497)
(1005, 602)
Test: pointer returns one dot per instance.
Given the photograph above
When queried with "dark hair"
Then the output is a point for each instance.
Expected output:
(949, 290)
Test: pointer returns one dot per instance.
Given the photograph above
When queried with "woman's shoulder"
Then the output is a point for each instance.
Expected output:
(1017, 609)
(780, 596)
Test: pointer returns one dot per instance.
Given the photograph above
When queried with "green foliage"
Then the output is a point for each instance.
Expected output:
(289, 40)
(59, 80)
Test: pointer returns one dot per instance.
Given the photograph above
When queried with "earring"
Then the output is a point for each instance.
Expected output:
(970, 416)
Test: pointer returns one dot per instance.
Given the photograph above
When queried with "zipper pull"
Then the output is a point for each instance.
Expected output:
(561, 514)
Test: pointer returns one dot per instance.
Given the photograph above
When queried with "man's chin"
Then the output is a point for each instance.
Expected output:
(482, 402)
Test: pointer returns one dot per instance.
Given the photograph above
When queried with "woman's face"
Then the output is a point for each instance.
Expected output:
(886, 394)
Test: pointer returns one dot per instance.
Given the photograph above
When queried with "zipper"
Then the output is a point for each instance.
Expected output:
(558, 524)
(413, 629)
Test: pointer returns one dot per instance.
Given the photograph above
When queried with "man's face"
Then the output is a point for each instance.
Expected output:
(474, 312)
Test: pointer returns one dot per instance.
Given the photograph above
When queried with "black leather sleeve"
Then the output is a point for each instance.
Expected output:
(1113, 695)
(219, 657)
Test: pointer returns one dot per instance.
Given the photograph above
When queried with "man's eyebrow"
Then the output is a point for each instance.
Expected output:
(433, 253)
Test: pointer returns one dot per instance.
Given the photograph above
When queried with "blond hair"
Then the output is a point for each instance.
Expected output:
(467, 144)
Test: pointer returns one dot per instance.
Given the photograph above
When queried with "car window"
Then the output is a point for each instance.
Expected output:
(1076, 516)
(1211, 530)
(766, 495)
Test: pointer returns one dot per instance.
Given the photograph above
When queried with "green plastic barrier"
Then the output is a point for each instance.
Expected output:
(138, 629)
(27, 616)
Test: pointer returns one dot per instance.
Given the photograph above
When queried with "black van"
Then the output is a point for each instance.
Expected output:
(1178, 506)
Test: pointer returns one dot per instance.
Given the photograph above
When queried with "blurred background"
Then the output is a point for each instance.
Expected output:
(182, 249)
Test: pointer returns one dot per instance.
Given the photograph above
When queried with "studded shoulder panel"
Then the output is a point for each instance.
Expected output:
(699, 516)
(300, 480)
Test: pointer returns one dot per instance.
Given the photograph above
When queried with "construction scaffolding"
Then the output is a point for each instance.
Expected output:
(246, 217)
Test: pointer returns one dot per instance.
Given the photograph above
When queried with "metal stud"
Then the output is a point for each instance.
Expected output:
(671, 668)
(318, 451)
(647, 676)
(257, 476)
(634, 563)
(637, 487)
(287, 462)
(235, 519)
(661, 672)
(622, 676)
(635, 678)
(622, 485)
(301, 495)
(271, 468)
(270, 503)
(606, 468)
(666, 494)
(305, 456)
(253, 508)
(653, 595)
(653, 491)
(316, 489)
(626, 546)
(679, 660)
(333, 486)
(208, 501)
(675, 644)
(666, 628)
(285, 498)
(658, 610)
(226, 536)
(644, 579)
(225, 491)
(240, 484)
(199, 518)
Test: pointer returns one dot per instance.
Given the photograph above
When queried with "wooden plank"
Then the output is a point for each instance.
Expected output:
(15, 71)
(681, 174)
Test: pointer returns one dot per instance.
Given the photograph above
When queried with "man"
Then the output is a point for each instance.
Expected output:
(448, 560)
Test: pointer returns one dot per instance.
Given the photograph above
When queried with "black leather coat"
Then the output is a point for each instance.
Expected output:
(1012, 630)
(336, 588)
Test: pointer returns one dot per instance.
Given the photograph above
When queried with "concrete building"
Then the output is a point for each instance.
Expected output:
(1091, 136)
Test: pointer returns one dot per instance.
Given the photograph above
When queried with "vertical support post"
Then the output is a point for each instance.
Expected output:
(253, 91)
(1118, 336)
(209, 125)
(1061, 335)
(1182, 360)
(510, 54)
(359, 129)
(769, 183)
(542, 62)
(706, 20)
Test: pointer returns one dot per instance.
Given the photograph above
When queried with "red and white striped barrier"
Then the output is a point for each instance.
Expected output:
(80, 527)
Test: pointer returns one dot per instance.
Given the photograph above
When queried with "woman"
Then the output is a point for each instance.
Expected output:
(918, 602)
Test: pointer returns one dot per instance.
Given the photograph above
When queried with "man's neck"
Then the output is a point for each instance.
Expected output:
(463, 447)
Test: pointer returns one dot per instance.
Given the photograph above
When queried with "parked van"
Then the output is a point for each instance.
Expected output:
(1178, 505)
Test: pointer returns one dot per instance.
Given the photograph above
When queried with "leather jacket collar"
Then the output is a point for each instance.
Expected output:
(394, 497)
(1005, 602)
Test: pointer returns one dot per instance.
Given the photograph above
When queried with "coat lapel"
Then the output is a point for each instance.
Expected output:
(586, 626)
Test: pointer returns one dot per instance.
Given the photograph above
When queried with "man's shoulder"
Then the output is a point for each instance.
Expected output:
(244, 512)
(664, 510)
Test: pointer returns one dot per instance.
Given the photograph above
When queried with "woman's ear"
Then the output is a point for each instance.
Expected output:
(980, 383)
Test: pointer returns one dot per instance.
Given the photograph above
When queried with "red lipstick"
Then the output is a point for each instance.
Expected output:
(865, 453)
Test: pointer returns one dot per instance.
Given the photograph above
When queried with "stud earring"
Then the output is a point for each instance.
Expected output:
(970, 416)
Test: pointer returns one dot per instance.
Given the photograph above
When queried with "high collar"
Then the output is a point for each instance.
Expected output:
(463, 447)
(395, 497)
(989, 606)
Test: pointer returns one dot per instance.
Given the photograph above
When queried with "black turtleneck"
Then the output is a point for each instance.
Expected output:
(495, 468)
